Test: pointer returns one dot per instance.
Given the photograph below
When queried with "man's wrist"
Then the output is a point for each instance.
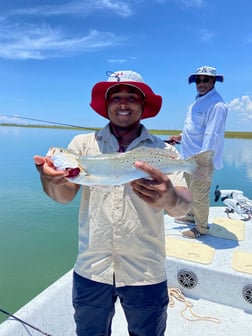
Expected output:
(175, 205)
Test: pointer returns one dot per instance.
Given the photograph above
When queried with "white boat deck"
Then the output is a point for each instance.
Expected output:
(217, 281)
(216, 295)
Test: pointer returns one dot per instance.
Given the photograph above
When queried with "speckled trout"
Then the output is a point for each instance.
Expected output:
(119, 168)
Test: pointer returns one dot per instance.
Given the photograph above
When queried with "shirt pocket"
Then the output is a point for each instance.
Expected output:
(195, 122)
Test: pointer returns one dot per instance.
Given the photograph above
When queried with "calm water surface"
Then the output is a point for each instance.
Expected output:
(38, 237)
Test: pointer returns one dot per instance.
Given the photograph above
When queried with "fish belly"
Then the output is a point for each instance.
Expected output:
(108, 179)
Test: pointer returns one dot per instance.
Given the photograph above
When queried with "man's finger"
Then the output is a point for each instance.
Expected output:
(39, 160)
(150, 170)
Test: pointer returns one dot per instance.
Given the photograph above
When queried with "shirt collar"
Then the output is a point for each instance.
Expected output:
(105, 134)
(209, 93)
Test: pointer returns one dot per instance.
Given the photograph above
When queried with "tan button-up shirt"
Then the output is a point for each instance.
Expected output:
(120, 236)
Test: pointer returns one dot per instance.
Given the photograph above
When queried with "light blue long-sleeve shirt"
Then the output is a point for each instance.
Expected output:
(204, 127)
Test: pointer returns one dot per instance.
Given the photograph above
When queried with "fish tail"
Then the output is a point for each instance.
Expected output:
(204, 165)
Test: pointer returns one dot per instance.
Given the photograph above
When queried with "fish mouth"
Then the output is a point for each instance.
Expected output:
(72, 172)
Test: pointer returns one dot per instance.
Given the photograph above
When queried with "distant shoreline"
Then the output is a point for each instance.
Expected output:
(228, 134)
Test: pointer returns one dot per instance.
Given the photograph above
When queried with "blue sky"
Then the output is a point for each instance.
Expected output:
(53, 52)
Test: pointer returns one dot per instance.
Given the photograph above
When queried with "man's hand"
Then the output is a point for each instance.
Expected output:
(46, 167)
(54, 183)
(159, 192)
(173, 140)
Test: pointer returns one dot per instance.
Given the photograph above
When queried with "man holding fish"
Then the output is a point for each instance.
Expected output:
(121, 223)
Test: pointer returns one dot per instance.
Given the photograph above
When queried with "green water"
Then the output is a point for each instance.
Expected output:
(38, 237)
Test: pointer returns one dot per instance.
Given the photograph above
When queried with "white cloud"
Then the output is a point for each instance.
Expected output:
(242, 105)
(41, 42)
(118, 61)
(193, 3)
(77, 8)
(187, 3)
(121, 60)
(238, 155)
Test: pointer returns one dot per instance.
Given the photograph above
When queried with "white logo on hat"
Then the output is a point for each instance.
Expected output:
(207, 70)
(127, 76)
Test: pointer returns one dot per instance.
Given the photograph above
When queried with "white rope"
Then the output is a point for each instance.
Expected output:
(175, 293)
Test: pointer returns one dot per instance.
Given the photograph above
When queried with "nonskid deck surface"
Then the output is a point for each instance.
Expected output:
(213, 290)
(213, 277)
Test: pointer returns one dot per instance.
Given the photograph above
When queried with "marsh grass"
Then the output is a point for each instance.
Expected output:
(228, 134)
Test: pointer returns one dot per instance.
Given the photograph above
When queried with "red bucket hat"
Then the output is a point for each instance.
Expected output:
(152, 102)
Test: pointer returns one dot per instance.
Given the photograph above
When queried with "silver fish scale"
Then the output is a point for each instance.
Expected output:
(119, 168)
(120, 162)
